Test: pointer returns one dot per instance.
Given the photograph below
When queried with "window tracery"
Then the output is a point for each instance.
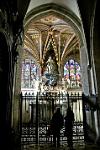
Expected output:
(72, 74)
(30, 73)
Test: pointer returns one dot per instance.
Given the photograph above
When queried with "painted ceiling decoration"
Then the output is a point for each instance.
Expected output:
(51, 37)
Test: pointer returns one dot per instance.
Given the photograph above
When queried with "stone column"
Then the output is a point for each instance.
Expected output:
(16, 99)
(96, 56)
(84, 70)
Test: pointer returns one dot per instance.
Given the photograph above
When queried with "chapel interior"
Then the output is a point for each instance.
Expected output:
(49, 58)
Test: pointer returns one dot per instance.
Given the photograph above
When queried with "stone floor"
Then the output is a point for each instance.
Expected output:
(63, 147)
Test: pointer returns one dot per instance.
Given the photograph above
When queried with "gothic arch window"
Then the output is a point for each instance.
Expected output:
(30, 73)
(72, 74)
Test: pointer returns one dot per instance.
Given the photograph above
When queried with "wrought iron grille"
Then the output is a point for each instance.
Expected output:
(37, 110)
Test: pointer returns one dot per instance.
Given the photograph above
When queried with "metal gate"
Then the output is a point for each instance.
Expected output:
(36, 112)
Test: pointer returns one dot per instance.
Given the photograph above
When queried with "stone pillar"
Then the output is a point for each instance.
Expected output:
(16, 99)
(84, 70)
(96, 55)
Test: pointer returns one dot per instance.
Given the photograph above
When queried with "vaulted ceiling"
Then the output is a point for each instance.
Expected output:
(51, 31)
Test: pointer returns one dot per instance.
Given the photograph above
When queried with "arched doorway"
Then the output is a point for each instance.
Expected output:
(41, 37)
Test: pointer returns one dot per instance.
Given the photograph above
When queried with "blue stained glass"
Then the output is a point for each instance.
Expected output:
(71, 62)
(72, 73)
(29, 73)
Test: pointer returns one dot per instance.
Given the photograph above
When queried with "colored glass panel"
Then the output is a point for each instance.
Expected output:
(72, 73)
(29, 73)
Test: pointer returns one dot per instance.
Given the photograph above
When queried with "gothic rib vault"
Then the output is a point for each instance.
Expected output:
(51, 30)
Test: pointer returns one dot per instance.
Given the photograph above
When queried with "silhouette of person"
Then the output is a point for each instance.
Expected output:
(57, 123)
(69, 120)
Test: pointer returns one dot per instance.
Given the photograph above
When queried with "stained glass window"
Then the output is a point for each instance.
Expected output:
(30, 73)
(72, 73)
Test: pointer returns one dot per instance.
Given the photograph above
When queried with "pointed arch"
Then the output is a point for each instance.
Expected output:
(58, 11)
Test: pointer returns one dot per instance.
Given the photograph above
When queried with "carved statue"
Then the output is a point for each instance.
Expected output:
(50, 65)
